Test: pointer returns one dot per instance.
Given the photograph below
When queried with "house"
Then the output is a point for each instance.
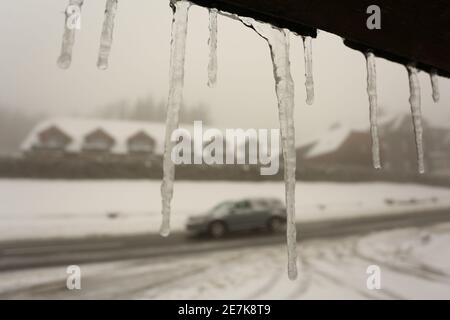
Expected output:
(52, 138)
(132, 140)
(51, 142)
(440, 155)
(95, 138)
(88, 138)
(400, 148)
(351, 147)
(340, 146)
(141, 144)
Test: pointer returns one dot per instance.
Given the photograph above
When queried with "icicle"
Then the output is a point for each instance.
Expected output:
(278, 41)
(177, 57)
(414, 100)
(372, 93)
(285, 93)
(435, 86)
(309, 83)
(107, 34)
(68, 41)
(212, 66)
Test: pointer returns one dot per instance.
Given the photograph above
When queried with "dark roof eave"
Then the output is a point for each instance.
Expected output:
(412, 31)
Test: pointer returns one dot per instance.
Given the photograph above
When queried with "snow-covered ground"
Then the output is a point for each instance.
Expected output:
(58, 208)
(414, 264)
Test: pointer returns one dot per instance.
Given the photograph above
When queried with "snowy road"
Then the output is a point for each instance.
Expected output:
(414, 262)
(45, 253)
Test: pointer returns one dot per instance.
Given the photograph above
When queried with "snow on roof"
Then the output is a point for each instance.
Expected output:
(330, 141)
(119, 130)
(395, 121)
(338, 133)
(305, 142)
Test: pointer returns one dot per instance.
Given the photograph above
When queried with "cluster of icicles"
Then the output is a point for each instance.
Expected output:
(68, 41)
(278, 42)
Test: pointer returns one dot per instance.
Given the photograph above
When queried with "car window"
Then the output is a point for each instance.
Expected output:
(222, 207)
(242, 205)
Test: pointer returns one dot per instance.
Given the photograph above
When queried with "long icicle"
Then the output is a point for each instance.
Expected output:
(68, 40)
(309, 82)
(435, 85)
(212, 42)
(415, 102)
(107, 34)
(278, 41)
(372, 93)
(285, 94)
(176, 83)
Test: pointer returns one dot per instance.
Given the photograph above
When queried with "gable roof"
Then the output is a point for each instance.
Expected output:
(99, 132)
(55, 130)
(140, 135)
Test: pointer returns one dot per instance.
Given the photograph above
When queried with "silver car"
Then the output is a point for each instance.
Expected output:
(246, 214)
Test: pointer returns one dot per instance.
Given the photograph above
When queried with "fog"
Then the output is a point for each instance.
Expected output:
(244, 97)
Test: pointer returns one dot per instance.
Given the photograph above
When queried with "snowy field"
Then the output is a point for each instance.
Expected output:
(49, 208)
(414, 264)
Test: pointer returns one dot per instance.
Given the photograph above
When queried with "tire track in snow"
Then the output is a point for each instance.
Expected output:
(99, 284)
(418, 271)
(188, 278)
(340, 258)
(267, 286)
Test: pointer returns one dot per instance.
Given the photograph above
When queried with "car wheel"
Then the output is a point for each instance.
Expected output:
(276, 225)
(217, 229)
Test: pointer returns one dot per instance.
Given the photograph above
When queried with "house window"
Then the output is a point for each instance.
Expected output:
(97, 144)
(141, 146)
(53, 142)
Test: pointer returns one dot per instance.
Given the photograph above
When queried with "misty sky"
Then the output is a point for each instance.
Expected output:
(31, 33)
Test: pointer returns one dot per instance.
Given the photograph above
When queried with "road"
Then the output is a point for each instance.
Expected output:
(21, 255)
